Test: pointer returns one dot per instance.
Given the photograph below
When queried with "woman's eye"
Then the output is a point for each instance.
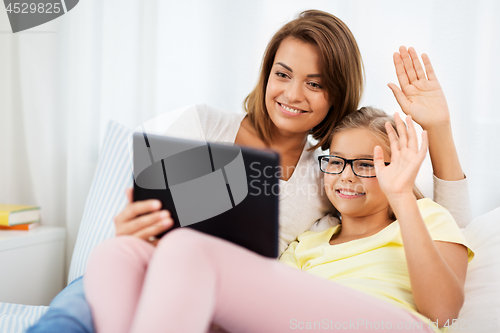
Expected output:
(281, 75)
(315, 85)
(366, 165)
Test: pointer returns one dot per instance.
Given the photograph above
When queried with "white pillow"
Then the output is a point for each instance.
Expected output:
(481, 310)
(106, 197)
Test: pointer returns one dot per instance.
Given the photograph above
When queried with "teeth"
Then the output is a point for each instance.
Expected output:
(349, 192)
(290, 109)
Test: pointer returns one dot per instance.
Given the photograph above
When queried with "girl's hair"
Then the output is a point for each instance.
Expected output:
(373, 120)
(341, 71)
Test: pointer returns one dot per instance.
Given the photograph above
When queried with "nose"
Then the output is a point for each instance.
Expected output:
(294, 92)
(347, 175)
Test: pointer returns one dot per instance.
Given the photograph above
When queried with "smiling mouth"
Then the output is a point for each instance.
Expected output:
(348, 193)
(292, 110)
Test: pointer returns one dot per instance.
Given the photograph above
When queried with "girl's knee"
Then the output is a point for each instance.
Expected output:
(181, 236)
(184, 241)
(122, 247)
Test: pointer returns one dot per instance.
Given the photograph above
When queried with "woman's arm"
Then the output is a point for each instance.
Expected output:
(422, 97)
(437, 269)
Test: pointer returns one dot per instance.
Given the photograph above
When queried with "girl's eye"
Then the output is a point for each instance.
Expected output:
(315, 85)
(366, 165)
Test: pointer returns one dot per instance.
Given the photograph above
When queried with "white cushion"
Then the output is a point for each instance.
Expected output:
(481, 310)
(106, 197)
(16, 318)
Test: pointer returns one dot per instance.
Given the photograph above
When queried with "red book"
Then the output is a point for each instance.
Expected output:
(27, 226)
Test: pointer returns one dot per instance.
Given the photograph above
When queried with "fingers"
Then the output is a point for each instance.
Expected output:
(130, 194)
(409, 68)
(400, 96)
(378, 159)
(416, 63)
(402, 133)
(423, 148)
(394, 140)
(147, 220)
(412, 135)
(407, 138)
(400, 70)
(408, 64)
(407, 134)
(142, 219)
(134, 209)
(428, 67)
(155, 229)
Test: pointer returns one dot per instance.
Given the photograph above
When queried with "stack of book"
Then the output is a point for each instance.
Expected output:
(19, 217)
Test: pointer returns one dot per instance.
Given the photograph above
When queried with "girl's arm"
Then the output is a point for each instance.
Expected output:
(437, 269)
(422, 97)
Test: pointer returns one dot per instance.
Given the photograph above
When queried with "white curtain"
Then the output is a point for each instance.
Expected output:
(130, 60)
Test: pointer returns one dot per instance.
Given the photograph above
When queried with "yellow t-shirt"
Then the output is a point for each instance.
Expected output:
(375, 265)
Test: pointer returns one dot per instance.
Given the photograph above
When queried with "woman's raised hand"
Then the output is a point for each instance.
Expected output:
(420, 95)
(398, 178)
(142, 219)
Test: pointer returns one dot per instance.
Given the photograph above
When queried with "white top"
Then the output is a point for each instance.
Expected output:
(302, 199)
(454, 196)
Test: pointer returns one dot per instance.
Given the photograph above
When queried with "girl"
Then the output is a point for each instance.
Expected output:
(386, 273)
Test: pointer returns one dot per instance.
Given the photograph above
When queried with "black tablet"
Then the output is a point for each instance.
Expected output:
(224, 190)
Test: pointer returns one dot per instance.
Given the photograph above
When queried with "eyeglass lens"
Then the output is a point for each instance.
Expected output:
(335, 165)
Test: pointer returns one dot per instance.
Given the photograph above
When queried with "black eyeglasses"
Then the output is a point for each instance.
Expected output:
(335, 165)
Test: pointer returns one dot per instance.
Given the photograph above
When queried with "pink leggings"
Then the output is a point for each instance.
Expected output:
(191, 280)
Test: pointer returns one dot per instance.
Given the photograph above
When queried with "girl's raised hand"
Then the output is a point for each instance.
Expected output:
(421, 95)
(142, 219)
(398, 177)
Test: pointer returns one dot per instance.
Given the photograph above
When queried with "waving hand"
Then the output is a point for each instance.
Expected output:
(420, 95)
(398, 177)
